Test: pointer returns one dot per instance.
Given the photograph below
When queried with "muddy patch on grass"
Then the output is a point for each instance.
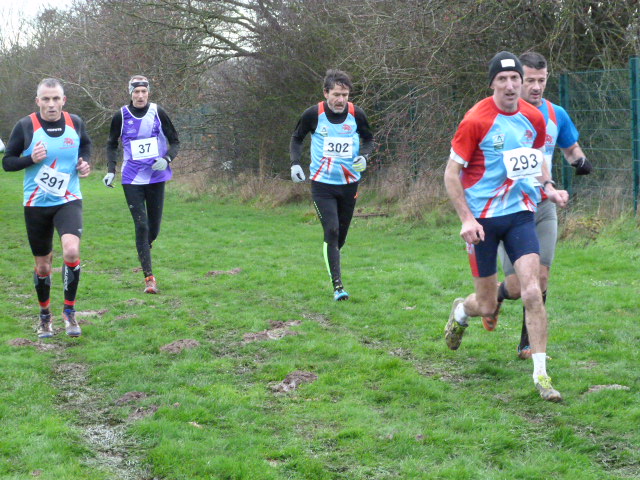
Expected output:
(130, 397)
(21, 342)
(142, 412)
(448, 373)
(134, 302)
(83, 315)
(39, 345)
(215, 273)
(179, 345)
(319, 318)
(293, 381)
(105, 435)
(277, 331)
(599, 388)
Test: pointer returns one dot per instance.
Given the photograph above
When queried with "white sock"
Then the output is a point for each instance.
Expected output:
(460, 315)
(539, 365)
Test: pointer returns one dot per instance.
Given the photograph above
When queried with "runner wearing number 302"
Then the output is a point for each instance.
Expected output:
(341, 141)
(491, 181)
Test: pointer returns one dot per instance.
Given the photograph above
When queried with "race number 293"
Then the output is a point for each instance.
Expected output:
(523, 162)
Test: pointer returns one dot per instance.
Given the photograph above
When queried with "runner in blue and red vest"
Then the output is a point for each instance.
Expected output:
(561, 132)
(496, 158)
(149, 143)
(54, 149)
(341, 141)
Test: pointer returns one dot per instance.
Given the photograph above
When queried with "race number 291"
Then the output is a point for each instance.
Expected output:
(52, 181)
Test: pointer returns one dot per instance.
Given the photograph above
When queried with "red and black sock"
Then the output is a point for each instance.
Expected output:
(70, 278)
(43, 290)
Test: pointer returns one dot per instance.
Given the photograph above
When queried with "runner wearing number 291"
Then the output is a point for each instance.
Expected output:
(53, 149)
(341, 141)
(496, 158)
(149, 143)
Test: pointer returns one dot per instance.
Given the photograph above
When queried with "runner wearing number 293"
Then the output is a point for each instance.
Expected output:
(150, 143)
(496, 158)
(53, 149)
(341, 141)
(561, 132)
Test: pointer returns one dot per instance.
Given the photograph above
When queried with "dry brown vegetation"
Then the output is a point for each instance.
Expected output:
(235, 76)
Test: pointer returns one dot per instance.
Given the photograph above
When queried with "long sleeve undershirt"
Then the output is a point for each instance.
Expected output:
(309, 121)
(116, 128)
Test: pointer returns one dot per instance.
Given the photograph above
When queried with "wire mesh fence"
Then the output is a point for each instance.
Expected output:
(414, 131)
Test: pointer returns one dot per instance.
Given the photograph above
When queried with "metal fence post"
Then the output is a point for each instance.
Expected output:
(634, 72)
(567, 177)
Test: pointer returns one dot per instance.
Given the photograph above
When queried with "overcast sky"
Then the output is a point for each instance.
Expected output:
(12, 11)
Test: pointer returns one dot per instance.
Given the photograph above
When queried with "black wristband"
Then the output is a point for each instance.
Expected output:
(547, 182)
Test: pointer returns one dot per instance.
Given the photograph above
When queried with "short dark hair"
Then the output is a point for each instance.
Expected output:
(533, 60)
(333, 77)
(49, 83)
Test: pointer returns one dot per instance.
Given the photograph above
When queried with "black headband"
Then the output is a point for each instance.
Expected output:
(136, 84)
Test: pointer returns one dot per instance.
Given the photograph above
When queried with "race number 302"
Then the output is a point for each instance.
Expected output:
(338, 147)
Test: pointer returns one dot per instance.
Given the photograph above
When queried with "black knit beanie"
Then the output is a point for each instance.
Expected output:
(504, 62)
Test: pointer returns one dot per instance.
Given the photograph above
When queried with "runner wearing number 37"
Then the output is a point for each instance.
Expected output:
(341, 141)
(496, 158)
(53, 149)
(150, 143)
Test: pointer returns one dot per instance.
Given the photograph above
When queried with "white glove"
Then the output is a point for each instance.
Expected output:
(108, 179)
(297, 174)
(160, 164)
(1, 146)
(360, 163)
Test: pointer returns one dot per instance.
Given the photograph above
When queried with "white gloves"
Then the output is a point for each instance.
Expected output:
(161, 163)
(108, 179)
(297, 174)
(1, 146)
(360, 163)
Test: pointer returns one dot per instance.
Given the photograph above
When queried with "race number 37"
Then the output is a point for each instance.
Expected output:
(523, 162)
(338, 147)
(144, 148)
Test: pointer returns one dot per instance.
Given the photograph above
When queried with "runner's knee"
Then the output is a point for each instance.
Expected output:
(531, 294)
(331, 234)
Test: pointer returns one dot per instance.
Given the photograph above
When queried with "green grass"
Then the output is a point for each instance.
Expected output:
(391, 401)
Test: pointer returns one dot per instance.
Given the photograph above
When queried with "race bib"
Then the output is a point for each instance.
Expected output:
(337, 147)
(53, 181)
(144, 148)
(523, 162)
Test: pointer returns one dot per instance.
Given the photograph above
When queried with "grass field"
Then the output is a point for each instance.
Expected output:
(390, 401)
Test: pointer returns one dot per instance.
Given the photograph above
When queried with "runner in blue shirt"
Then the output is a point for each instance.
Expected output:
(561, 132)
(490, 177)
(341, 141)
(53, 149)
